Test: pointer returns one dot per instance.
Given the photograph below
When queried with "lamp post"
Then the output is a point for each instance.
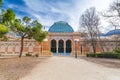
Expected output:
(76, 40)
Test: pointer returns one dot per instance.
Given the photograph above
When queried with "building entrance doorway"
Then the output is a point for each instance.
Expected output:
(61, 46)
(53, 46)
(68, 46)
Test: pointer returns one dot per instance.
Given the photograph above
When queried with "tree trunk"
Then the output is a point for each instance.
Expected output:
(94, 47)
(21, 50)
(94, 50)
(102, 44)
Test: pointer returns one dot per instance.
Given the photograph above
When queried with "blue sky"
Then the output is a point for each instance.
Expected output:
(49, 11)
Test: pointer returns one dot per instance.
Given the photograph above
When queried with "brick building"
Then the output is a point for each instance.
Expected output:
(61, 40)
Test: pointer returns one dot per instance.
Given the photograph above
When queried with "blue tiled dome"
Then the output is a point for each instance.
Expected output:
(113, 32)
(61, 27)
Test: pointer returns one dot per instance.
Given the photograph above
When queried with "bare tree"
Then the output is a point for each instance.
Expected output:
(113, 17)
(90, 22)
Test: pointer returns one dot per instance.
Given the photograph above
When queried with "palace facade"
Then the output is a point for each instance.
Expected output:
(61, 40)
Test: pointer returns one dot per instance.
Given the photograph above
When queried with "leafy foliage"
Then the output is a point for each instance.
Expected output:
(27, 29)
(37, 32)
(36, 55)
(1, 3)
(3, 30)
(105, 55)
(117, 50)
(28, 54)
(5, 18)
(8, 16)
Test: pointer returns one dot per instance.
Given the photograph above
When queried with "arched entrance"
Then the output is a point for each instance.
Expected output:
(53, 46)
(68, 46)
(61, 46)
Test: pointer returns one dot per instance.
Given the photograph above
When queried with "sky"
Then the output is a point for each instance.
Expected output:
(49, 11)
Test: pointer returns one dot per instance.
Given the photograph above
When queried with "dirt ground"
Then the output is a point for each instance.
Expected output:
(14, 68)
(69, 68)
(110, 63)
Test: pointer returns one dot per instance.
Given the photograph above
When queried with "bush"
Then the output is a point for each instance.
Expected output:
(105, 55)
(28, 54)
(36, 55)
(117, 50)
(118, 56)
(90, 55)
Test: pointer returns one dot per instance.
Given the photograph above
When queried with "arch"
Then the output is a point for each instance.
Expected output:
(3, 48)
(53, 46)
(10, 48)
(68, 46)
(61, 46)
(17, 48)
(30, 48)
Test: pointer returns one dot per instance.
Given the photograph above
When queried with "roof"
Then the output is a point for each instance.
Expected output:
(113, 32)
(101, 34)
(110, 33)
(61, 27)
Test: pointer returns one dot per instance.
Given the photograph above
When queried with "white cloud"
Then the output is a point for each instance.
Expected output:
(65, 11)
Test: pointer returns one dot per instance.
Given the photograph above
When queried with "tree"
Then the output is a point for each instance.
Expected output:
(90, 22)
(27, 29)
(8, 16)
(5, 18)
(1, 2)
(113, 17)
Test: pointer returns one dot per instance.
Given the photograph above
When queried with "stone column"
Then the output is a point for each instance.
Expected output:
(64, 46)
(57, 44)
(73, 47)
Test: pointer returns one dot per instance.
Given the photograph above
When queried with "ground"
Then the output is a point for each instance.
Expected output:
(110, 63)
(67, 68)
(14, 68)
(59, 68)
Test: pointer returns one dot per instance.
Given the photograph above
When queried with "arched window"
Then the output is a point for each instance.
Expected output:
(61, 46)
(53, 46)
(68, 46)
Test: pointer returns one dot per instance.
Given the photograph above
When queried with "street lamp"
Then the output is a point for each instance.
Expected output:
(76, 40)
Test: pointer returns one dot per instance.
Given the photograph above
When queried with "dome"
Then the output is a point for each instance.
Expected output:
(60, 27)
(113, 32)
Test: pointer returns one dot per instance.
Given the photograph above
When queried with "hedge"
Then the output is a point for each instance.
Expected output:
(105, 55)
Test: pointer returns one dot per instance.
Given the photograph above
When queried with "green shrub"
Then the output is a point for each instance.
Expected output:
(91, 55)
(36, 55)
(118, 56)
(117, 50)
(105, 55)
(28, 54)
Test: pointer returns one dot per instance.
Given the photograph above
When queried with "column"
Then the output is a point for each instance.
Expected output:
(73, 47)
(64, 46)
(57, 46)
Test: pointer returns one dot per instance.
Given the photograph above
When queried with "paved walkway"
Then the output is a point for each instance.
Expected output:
(67, 68)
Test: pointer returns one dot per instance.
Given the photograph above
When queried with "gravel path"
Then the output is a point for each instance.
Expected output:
(67, 68)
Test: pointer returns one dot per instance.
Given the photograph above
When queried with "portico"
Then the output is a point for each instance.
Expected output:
(61, 36)
(61, 46)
